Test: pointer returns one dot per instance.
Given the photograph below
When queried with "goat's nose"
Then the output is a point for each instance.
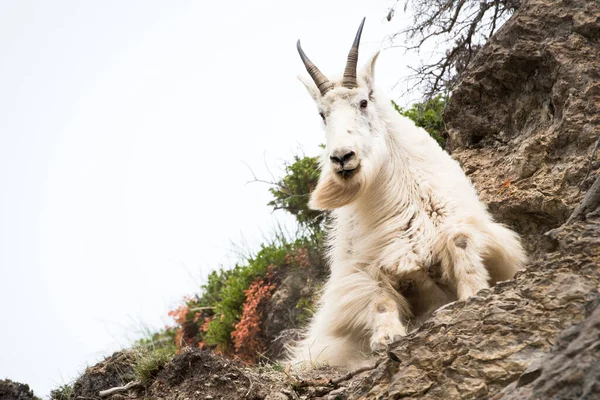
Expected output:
(342, 156)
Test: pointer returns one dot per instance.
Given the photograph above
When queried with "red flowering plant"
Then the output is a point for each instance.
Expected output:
(186, 317)
(247, 339)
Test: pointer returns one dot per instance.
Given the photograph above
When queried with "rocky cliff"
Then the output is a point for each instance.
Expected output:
(524, 120)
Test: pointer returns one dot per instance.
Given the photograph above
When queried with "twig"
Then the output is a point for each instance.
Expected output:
(459, 26)
(119, 389)
(590, 163)
(317, 382)
(337, 381)
(250, 388)
(267, 166)
(247, 377)
(351, 374)
(590, 202)
(202, 308)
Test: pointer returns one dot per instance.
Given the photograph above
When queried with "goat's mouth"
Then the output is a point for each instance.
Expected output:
(348, 173)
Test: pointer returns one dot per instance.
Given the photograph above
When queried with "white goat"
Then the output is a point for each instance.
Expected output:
(402, 210)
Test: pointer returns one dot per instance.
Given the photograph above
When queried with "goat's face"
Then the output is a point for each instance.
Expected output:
(353, 133)
(355, 142)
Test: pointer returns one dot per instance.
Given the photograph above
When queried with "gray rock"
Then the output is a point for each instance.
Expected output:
(570, 371)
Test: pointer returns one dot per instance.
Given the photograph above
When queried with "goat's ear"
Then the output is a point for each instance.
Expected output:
(312, 88)
(368, 72)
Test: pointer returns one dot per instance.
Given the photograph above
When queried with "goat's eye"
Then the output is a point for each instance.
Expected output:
(322, 115)
(363, 104)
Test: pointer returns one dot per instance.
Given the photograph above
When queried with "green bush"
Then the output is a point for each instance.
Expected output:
(428, 115)
(231, 296)
(292, 192)
(63, 392)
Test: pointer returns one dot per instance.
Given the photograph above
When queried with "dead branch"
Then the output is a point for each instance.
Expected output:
(352, 374)
(461, 25)
(590, 202)
(119, 389)
(335, 382)
(202, 308)
(592, 156)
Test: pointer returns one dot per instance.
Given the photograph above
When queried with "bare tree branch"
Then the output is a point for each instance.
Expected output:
(461, 25)
(119, 389)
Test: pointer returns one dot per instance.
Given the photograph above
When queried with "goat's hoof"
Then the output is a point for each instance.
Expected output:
(379, 347)
(396, 338)
(382, 343)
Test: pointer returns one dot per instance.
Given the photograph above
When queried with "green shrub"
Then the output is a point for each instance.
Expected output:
(427, 115)
(306, 305)
(63, 392)
(292, 192)
(231, 296)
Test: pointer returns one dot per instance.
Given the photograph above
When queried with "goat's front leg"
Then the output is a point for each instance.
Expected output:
(388, 309)
(412, 268)
(387, 326)
(366, 301)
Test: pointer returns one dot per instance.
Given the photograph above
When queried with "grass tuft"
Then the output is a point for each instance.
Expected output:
(63, 392)
(149, 361)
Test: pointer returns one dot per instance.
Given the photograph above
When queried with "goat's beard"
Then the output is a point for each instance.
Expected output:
(334, 192)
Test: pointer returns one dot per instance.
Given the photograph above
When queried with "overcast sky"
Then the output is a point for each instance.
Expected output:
(125, 130)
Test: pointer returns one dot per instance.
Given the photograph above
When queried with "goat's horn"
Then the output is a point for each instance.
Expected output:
(349, 80)
(321, 80)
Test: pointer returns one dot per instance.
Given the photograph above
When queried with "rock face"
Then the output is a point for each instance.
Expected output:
(570, 371)
(525, 118)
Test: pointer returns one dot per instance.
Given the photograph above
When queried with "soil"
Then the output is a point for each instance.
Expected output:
(10, 390)
(197, 372)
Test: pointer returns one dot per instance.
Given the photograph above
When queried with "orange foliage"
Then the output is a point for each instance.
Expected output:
(180, 313)
(185, 334)
(299, 258)
(246, 335)
(204, 327)
(179, 342)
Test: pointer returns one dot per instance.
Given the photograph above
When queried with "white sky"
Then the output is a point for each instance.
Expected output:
(124, 129)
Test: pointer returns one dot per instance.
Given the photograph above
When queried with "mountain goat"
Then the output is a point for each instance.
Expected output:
(407, 230)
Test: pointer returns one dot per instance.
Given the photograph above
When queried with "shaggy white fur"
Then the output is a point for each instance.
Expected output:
(407, 231)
